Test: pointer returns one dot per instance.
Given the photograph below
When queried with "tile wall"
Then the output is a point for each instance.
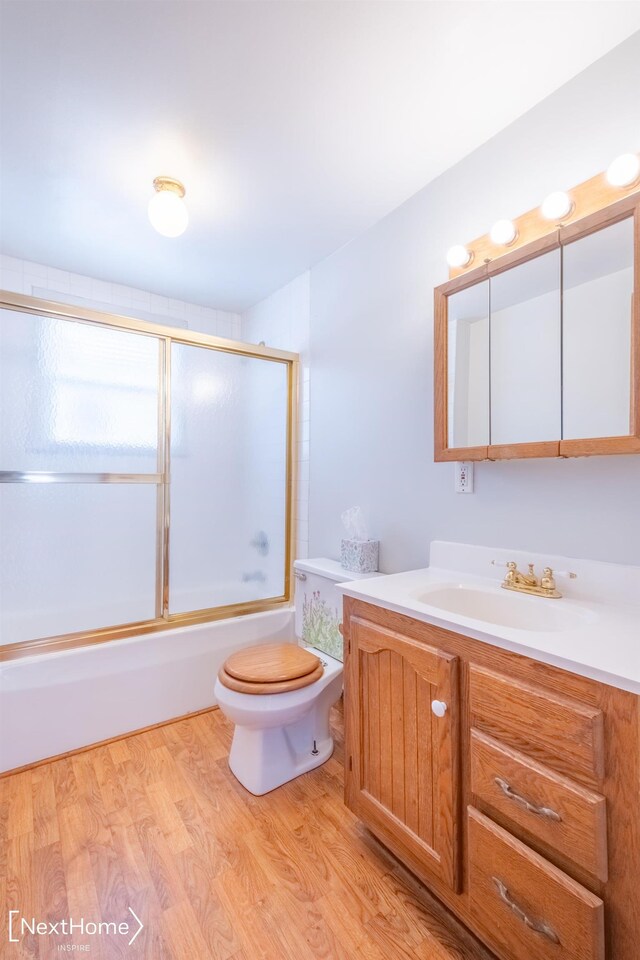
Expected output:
(35, 279)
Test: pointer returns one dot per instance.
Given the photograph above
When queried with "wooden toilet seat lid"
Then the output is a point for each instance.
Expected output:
(284, 686)
(271, 663)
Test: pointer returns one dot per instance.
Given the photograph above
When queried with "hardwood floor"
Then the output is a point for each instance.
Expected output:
(158, 823)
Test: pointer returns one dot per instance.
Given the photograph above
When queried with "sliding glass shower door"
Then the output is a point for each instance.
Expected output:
(145, 476)
(78, 451)
(227, 543)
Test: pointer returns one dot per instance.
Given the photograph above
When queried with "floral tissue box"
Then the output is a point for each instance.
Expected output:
(359, 556)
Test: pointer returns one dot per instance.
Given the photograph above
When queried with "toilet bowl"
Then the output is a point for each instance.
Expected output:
(279, 736)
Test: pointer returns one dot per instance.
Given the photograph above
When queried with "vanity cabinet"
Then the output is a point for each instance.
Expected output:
(511, 788)
(404, 744)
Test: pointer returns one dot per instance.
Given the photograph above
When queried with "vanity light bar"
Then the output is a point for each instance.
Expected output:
(623, 173)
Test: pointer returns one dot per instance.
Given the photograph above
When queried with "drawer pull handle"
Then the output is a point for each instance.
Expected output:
(438, 708)
(538, 926)
(531, 807)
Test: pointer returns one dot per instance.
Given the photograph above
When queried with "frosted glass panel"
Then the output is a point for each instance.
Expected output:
(75, 557)
(228, 479)
(76, 397)
(597, 308)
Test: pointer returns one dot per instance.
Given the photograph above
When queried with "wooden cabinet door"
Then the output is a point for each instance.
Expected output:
(402, 759)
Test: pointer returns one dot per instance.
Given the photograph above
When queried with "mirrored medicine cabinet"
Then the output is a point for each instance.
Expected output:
(537, 352)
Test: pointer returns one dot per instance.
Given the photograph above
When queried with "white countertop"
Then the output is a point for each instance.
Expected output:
(602, 607)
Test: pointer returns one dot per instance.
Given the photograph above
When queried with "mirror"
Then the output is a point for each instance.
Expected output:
(525, 352)
(468, 366)
(537, 353)
(597, 324)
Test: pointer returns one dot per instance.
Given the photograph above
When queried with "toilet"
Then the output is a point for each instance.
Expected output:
(279, 695)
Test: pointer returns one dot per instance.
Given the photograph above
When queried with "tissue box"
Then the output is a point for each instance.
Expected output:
(359, 556)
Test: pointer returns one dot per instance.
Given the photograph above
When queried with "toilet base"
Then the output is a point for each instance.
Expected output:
(265, 759)
(278, 737)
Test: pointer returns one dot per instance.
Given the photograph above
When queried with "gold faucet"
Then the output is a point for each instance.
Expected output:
(529, 583)
(514, 578)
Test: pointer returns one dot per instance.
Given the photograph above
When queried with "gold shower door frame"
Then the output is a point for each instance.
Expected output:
(165, 336)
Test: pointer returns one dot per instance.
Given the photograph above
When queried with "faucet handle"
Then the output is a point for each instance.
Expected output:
(565, 573)
(500, 563)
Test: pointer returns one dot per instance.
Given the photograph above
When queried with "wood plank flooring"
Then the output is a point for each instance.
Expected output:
(158, 823)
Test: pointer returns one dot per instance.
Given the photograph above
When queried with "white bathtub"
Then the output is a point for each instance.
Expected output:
(56, 702)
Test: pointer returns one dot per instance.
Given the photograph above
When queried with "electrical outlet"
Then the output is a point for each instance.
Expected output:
(464, 477)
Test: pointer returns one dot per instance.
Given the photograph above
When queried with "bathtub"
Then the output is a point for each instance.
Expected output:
(55, 702)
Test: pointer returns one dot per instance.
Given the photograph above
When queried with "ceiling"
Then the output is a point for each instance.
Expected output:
(294, 125)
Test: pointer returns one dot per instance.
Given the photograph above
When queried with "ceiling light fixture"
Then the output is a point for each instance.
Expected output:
(459, 256)
(167, 211)
(557, 206)
(624, 171)
(503, 233)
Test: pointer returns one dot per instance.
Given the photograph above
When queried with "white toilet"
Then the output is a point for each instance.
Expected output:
(282, 734)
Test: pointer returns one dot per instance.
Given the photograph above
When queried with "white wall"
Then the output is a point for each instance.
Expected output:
(372, 337)
(282, 321)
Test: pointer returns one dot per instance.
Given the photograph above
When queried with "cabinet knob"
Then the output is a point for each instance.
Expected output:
(438, 707)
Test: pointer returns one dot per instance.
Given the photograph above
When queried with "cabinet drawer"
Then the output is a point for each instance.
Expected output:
(546, 726)
(563, 815)
(528, 908)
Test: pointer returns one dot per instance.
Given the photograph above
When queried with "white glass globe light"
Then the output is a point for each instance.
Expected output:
(503, 233)
(624, 171)
(557, 206)
(167, 210)
(459, 256)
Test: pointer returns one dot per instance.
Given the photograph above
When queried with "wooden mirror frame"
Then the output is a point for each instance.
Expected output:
(599, 219)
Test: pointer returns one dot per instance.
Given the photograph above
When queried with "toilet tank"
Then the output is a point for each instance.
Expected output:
(318, 605)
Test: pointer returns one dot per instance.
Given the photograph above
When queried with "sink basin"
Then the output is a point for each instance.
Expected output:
(505, 609)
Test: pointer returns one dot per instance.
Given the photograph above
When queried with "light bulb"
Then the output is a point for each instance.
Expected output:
(503, 233)
(459, 256)
(557, 206)
(167, 211)
(624, 171)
